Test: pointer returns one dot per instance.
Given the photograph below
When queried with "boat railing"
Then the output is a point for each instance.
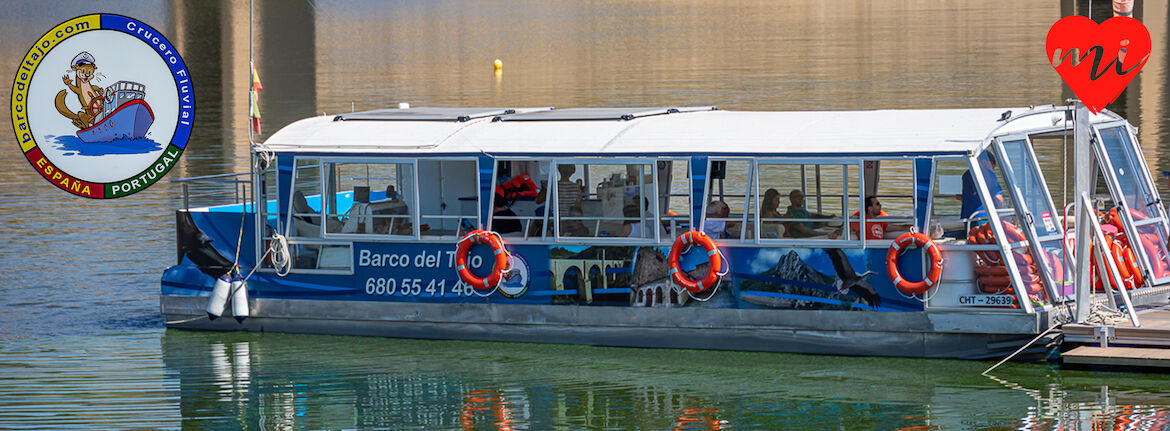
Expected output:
(212, 187)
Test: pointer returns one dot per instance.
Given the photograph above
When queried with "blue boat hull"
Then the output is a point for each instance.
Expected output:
(129, 121)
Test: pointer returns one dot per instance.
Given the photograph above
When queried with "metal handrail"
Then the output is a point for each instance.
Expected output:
(1109, 270)
(239, 185)
(208, 177)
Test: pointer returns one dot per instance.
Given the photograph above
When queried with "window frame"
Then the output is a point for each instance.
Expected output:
(549, 197)
(846, 240)
(419, 216)
(295, 240)
(369, 237)
(552, 197)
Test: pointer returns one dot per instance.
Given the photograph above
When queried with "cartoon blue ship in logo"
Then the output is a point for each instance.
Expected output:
(124, 114)
(115, 112)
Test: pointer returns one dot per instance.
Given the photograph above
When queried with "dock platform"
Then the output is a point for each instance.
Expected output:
(1154, 329)
(1121, 344)
(1153, 357)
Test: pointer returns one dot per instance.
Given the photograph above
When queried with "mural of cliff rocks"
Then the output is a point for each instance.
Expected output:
(794, 282)
(652, 287)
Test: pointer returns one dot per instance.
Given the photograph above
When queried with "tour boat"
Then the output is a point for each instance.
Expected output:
(679, 227)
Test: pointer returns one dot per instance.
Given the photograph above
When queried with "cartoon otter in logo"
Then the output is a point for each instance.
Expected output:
(88, 94)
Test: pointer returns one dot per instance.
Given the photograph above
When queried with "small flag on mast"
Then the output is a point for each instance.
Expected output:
(255, 91)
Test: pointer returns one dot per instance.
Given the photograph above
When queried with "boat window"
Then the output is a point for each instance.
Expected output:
(305, 203)
(727, 209)
(307, 250)
(1033, 194)
(674, 195)
(807, 200)
(617, 201)
(891, 183)
(370, 198)
(267, 211)
(519, 204)
(1118, 149)
(318, 257)
(448, 197)
(947, 202)
(972, 206)
(1004, 205)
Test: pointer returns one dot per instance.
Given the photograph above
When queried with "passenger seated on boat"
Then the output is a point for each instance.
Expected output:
(720, 228)
(770, 209)
(393, 218)
(970, 197)
(506, 224)
(302, 210)
(874, 229)
(574, 227)
(634, 222)
(306, 222)
(357, 219)
(802, 228)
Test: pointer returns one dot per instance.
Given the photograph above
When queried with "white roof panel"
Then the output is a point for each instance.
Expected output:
(717, 132)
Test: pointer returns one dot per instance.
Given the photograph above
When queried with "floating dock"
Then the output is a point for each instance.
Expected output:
(1121, 344)
(1153, 357)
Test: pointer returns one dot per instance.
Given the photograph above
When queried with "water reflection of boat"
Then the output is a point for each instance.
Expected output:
(311, 381)
(125, 115)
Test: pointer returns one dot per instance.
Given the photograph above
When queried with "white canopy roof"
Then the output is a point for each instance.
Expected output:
(654, 131)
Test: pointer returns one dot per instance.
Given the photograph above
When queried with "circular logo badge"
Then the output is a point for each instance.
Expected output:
(515, 280)
(102, 106)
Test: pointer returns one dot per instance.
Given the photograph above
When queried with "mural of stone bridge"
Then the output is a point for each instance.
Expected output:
(586, 275)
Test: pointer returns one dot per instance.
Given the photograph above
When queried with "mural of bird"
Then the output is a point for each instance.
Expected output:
(850, 280)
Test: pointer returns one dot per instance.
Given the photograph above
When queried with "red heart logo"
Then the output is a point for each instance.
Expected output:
(1098, 61)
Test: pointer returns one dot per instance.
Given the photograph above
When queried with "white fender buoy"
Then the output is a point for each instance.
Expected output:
(219, 295)
(240, 299)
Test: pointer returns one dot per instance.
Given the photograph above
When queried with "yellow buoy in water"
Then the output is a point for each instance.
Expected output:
(498, 64)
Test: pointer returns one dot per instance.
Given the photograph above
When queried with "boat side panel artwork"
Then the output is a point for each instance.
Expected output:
(758, 278)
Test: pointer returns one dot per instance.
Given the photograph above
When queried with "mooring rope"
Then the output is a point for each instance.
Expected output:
(1025, 346)
(1101, 315)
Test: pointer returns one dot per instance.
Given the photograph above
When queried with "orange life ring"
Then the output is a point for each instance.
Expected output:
(1117, 253)
(993, 284)
(1117, 250)
(1156, 253)
(1003, 280)
(998, 290)
(1058, 271)
(983, 234)
(499, 265)
(933, 272)
(1130, 261)
(714, 261)
(1113, 218)
(998, 270)
(1028, 272)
